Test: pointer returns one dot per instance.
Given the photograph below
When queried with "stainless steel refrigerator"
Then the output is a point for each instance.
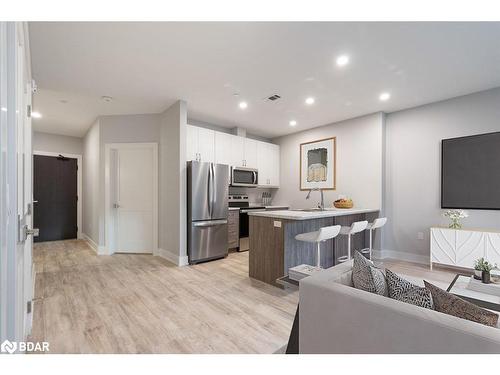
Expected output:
(207, 210)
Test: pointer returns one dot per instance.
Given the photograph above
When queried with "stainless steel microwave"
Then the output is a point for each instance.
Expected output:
(248, 177)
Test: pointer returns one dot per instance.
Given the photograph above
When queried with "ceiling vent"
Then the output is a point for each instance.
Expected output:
(274, 97)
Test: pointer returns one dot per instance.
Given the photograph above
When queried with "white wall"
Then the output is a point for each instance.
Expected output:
(172, 163)
(57, 143)
(413, 162)
(359, 163)
(90, 183)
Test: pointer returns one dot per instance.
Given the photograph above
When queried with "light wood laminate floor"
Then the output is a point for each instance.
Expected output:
(127, 303)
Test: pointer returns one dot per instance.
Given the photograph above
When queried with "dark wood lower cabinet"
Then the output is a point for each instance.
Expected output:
(233, 229)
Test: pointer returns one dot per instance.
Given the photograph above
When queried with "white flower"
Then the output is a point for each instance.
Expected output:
(456, 214)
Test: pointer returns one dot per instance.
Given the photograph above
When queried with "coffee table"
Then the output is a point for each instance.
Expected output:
(459, 288)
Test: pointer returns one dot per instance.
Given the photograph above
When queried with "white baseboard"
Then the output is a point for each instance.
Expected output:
(399, 255)
(100, 250)
(172, 257)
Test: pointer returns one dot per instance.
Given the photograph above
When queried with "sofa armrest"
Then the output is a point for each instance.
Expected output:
(335, 318)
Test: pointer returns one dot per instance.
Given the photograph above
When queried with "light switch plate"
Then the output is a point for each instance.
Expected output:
(277, 223)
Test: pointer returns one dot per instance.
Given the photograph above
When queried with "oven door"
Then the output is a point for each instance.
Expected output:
(247, 177)
(244, 227)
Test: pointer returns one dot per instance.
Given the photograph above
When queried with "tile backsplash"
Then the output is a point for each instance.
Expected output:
(254, 194)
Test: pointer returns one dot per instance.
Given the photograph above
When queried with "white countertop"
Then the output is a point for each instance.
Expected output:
(307, 215)
(277, 207)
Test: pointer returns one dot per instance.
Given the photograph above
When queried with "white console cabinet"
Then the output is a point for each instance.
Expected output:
(461, 247)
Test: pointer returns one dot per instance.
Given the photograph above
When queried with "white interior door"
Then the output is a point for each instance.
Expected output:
(136, 199)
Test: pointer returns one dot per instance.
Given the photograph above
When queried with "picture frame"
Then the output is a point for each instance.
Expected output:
(318, 164)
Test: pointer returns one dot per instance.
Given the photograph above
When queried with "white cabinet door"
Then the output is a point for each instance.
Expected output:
(263, 163)
(493, 248)
(274, 173)
(238, 151)
(223, 144)
(250, 153)
(206, 145)
(191, 143)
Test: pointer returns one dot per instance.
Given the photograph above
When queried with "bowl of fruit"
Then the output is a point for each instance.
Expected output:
(343, 203)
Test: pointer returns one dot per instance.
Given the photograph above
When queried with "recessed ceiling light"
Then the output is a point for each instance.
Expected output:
(293, 123)
(384, 96)
(243, 105)
(106, 98)
(4, 109)
(63, 101)
(342, 60)
(310, 101)
(36, 115)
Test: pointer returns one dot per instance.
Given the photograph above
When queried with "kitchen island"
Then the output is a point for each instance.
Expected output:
(273, 248)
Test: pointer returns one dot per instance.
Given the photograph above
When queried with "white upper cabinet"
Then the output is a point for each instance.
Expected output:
(206, 145)
(268, 160)
(274, 153)
(222, 148)
(191, 143)
(238, 151)
(251, 153)
(200, 144)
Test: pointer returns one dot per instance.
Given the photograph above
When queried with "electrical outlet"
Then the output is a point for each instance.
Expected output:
(420, 235)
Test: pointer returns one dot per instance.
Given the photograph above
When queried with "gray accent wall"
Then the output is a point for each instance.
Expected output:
(359, 163)
(413, 168)
(57, 143)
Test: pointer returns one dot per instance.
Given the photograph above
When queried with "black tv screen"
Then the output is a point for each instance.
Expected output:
(470, 172)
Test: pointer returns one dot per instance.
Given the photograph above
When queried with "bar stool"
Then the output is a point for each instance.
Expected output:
(324, 234)
(356, 227)
(377, 223)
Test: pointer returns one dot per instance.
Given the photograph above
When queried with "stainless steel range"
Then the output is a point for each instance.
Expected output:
(241, 201)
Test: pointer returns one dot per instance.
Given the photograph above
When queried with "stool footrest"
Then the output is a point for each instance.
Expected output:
(342, 259)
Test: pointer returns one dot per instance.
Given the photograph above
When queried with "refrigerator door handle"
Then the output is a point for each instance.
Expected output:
(209, 191)
(209, 223)
(213, 195)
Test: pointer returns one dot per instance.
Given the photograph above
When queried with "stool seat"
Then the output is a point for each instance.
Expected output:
(324, 234)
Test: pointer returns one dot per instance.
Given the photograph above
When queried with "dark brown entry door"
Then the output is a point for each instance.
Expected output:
(55, 193)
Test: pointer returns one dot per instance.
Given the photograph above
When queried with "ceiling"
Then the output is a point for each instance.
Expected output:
(146, 67)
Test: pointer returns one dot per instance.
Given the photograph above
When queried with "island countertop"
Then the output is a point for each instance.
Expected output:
(308, 215)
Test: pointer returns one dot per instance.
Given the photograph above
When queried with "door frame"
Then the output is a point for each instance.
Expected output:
(79, 204)
(109, 217)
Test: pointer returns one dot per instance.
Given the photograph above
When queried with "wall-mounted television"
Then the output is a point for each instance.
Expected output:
(470, 172)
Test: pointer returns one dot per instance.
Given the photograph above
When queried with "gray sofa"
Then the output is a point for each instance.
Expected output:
(337, 318)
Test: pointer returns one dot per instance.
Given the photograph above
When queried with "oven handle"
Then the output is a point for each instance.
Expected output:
(255, 210)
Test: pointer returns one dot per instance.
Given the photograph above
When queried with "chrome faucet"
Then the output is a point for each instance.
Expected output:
(321, 205)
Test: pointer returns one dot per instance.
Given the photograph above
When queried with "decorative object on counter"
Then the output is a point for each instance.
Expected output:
(317, 164)
(455, 216)
(343, 203)
(485, 267)
(266, 198)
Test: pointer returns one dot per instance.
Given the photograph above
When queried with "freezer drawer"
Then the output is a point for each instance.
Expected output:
(207, 240)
